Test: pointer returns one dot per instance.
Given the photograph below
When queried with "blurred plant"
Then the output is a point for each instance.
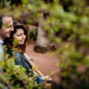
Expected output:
(67, 19)
(14, 77)
(33, 34)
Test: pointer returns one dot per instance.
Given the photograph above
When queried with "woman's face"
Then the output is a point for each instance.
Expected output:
(20, 36)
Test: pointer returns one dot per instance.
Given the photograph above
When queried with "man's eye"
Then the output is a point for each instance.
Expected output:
(11, 26)
(7, 26)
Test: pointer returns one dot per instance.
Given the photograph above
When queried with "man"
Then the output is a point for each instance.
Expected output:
(6, 26)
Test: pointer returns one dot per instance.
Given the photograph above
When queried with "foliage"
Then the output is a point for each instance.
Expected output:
(69, 20)
(14, 77)
(33, 34)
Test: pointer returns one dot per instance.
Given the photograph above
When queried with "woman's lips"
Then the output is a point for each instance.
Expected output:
(22, 41)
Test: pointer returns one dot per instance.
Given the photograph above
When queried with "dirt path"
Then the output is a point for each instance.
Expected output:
(46, 62)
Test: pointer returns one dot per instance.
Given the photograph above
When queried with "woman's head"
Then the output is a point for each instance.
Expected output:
(20, 35)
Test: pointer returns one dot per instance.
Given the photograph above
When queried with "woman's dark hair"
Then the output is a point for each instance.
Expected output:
(9, 41)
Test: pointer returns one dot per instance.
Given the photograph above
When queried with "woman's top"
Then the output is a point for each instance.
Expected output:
(20, 59)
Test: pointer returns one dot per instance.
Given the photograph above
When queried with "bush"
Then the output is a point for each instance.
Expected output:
(72, 23)
(13, 76)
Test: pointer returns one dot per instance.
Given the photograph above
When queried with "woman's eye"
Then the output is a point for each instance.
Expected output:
(18, 35)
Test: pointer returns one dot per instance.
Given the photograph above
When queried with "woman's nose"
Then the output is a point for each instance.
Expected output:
(23, 36)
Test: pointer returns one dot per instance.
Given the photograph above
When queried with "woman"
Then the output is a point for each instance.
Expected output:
(17, 43)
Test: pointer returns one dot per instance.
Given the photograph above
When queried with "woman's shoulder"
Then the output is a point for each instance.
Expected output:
(13, 53)
(17, 54)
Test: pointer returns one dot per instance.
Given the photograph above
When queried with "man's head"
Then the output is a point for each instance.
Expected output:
(6, 26)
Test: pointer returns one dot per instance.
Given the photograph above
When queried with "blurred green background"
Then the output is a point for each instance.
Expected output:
(64, 22)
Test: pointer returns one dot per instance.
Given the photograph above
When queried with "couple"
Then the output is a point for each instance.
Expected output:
(10, 33)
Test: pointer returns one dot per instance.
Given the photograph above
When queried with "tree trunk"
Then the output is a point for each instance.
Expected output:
(42, 41)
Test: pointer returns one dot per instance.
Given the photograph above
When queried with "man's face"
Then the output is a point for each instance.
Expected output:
(7, 26)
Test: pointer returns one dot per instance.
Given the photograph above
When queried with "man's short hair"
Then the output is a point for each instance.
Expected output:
(1, 17)
(1, 21)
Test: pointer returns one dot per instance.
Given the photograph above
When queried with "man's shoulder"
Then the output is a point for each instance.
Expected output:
(1, 42)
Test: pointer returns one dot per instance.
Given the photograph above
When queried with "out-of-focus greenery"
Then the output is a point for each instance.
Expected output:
(69, 19)
(14, 77)
(33, 34)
